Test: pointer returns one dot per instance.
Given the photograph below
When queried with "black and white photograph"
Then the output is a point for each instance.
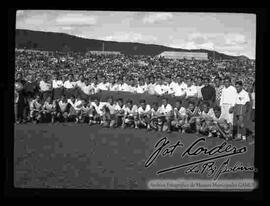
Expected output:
(134, 100)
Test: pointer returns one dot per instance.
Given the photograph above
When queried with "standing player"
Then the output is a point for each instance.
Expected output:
(240, 110)
(227, 100)
(208, 92)
(45, 87)
(69, 86)
(218, 88)
(57, 85)
(191, 90)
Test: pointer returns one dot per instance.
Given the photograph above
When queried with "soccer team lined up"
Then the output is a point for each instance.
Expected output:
(211, 114)
(217, 101)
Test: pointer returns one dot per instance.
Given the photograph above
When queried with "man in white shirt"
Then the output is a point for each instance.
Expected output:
(179, 115)
(180, 88)
(173, 84)
(81, 82)
(166, 87)
(45, 87)
(113, 86)
(62, 109)
(159, 90)
(166, 110)
(191, 90)
(119, 112)
(57, 85)
(102, 85)
(143, 114)
(125, 87)
(69, 86)
(87, 88)
(240, 110)
(199, 86)
(97, 113)
(227, 100)
(151, 88)
(130, 110)
(44, 84)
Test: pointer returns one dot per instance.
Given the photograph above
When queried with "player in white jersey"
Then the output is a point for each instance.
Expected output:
(36, 109)
(240, 111)
(166, 111)
(97, 112)
(72, 113)
(179, 116)
(49, 109)
(143, 114)
(227, 100)
(205, 118)
(119, 112)
(154, 118)
(62, 109)
(219, 126)
(130, 110)
(109, 113)
(84, 111)
(192, 122)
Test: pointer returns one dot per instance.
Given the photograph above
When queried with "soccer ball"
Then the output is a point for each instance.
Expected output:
(18, 86)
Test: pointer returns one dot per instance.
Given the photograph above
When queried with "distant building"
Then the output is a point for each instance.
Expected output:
(104, 52)
(184, 55)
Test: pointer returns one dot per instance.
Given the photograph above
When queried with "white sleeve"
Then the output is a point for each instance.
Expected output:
(221, 98)
(234, 96)
(247, 97)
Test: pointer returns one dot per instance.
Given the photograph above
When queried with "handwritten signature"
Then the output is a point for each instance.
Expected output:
(163, 147)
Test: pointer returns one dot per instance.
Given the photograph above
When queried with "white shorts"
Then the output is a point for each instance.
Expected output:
(225, 113)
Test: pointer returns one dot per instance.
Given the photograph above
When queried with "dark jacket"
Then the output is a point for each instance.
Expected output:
(208, 93)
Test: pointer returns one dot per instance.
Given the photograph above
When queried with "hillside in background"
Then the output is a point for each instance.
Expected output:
(50, 41)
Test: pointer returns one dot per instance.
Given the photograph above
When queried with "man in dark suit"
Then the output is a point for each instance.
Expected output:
(208, 92)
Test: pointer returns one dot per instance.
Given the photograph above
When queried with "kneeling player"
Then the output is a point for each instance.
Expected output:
(72, 113)
(96, 113)
(143, 115)
(219, 126)
(179, 116)
(119, 113)
(83, 113)
(36, 109)
(62, 109)
(205, 118)
(155, 118)
(166, 111)
(109, 117)
(130, 114)
(192, 122)
(49, 109)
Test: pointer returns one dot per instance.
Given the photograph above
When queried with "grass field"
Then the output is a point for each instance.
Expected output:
(79, 156)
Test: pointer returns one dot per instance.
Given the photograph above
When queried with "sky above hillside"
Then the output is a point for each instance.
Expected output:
(229, 33)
